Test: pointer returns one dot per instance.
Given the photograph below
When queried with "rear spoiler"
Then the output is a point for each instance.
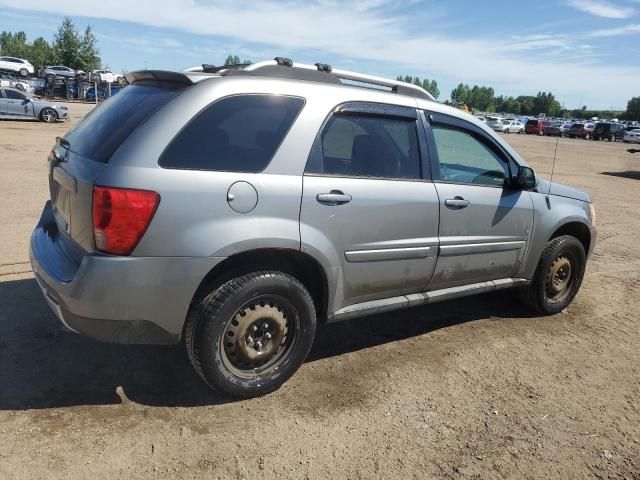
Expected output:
(159, 76)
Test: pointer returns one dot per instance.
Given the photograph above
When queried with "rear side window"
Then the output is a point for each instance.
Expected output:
(236, 134)
(367, 146)
(105, 128)
(532, 122)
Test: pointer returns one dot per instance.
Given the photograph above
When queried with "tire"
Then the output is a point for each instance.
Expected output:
(219, 333)
(20, 87)
(23, 72)
(553, 262)
(48, 115)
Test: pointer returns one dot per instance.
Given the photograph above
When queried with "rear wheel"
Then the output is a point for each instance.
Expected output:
(48, 115)
(248, 336)
(558, 276)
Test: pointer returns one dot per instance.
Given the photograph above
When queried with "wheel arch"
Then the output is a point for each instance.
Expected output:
(575, 229)
(293, 262)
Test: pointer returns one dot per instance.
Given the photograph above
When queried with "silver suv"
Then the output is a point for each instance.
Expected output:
(236, 208)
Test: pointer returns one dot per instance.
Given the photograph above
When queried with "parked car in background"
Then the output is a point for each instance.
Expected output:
(577, 130)
(552, 129)
(608, 131)
(54, 71)
(533, 126)
(105, 76)
(495, 124)
(508, 126)
(618, 131)
(631, 136)
(327, 211)
(14, 82)
(103, 92)
(589, 126)
(16, 104)
(564, 128)
(16, 65)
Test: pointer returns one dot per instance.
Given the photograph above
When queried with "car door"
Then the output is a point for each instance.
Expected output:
(368, 209)
(17, 104)
(484, 224)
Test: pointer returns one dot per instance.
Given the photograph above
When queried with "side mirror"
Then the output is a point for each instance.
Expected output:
(526, 178)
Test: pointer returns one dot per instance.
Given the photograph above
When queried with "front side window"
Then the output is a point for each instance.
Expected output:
(367, 146)
(13, 95)
(236, 134)
(464, 158)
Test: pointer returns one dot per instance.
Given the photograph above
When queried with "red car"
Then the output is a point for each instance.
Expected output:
(533, 126)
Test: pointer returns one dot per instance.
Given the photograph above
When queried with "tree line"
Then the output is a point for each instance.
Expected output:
(430, 86)
(69, 47)
(484, 99)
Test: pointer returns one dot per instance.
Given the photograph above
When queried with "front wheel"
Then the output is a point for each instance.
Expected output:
(23, 72)
(558, 276)
(48, 115)
(248, 336)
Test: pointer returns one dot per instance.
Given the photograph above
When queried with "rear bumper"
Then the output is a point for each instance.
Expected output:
(142, 300)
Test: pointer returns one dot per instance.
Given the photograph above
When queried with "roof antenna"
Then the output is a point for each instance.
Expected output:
(553, 167)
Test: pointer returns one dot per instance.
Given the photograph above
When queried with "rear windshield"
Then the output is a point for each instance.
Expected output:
(105, 128)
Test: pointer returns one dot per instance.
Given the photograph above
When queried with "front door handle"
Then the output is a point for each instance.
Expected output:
(335, 197)
(456, 202)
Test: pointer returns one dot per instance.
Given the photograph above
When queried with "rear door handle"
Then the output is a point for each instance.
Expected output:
(335, 197)
(456, 202)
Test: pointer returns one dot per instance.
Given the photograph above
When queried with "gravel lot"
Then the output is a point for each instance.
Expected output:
(474, 388)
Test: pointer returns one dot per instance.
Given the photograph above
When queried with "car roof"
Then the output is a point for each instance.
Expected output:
(320, 81)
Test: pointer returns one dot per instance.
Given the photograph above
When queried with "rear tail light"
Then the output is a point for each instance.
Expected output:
(120, 217)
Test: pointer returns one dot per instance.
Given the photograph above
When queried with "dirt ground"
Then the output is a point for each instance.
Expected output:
(473, 388)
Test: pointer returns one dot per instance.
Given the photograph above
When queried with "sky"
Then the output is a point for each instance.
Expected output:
(587, 52)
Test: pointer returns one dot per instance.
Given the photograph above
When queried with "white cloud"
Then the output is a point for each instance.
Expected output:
(615, 32)
(602, 8)
(374, 33)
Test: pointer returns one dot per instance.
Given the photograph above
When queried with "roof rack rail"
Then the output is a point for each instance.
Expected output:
(282, 67)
